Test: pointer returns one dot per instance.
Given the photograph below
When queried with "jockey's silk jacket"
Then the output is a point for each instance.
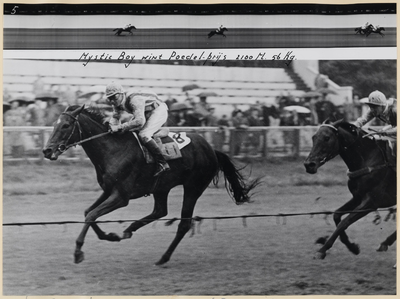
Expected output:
(388, 116)
(140, 104)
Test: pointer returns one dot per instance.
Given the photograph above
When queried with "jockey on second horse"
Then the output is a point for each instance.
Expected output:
(149, 114)
(384, 110)
(127, 26)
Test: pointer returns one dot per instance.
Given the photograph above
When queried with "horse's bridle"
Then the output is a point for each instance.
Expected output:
(63, 147)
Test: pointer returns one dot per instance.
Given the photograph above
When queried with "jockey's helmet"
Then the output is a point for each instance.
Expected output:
(375, 98)
(113, 88)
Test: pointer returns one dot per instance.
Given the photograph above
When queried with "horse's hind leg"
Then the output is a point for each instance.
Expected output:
(190, 197)
(160, 210)
(388, 242)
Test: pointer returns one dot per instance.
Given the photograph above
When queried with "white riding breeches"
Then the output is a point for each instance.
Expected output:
(158, 117)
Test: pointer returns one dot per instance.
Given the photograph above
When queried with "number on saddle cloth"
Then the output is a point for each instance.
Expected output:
(169, 143)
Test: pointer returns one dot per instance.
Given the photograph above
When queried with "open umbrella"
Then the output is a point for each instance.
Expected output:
(207, 94)
(298, 109)
(311, 94)
(178, 107)
(46, 96)
(325, 90)
(190, 87)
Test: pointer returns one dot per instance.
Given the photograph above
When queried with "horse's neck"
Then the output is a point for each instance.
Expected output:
(358, 154)
(100, 150)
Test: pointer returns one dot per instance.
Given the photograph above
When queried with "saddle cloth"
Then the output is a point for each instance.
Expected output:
(169, 143)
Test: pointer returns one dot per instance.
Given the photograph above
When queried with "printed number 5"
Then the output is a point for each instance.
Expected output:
(178, 138)
(14, 10)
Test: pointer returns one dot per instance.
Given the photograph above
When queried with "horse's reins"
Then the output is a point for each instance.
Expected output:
(359, 172)
(63, 147)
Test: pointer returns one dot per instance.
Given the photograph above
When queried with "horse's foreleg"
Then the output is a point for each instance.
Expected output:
(160, 210)
(343, 225)
(112, 203)
(96, 228)
(388, 242)
(337, 217)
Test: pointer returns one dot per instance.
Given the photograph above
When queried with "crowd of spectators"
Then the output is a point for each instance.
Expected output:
(45, 106)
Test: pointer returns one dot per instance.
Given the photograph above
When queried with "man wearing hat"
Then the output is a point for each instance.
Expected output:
(53, 109)
(15, 117)
(149, 115)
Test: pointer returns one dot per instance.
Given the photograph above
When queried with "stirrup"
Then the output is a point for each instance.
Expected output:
(162, 168)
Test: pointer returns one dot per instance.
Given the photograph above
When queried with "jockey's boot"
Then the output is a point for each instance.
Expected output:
(162, 165)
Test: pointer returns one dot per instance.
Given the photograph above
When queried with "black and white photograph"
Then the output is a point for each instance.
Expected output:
(199, 149)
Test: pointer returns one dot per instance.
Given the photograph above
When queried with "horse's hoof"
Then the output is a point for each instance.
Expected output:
(127, 235)
(382, 248)
(319, 255)
(113, 237)
(79, 256)
(162, 261)
(354, 248)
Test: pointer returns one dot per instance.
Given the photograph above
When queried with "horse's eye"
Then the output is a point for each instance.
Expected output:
(326, 138)
(65, 126)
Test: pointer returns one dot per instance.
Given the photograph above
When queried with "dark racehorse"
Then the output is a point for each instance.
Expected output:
(218, 32)
(372, 180)
(364, 31)
(120, 30)
(123, 174)
(379, 30)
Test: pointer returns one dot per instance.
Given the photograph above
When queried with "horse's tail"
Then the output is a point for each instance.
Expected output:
(211, 33)
(235, 184)
(116, 29)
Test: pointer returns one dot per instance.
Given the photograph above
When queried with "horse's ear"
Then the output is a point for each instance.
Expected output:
(338, 121)
(326, 121)
(78, 111)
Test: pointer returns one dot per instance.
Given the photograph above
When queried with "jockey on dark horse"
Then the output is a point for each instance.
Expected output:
(219, 29)
(149, 114)
(384, 110)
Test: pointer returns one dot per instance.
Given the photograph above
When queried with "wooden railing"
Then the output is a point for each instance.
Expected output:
(26, 143)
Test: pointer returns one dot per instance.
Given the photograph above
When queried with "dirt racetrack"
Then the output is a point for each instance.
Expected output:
(251, 256)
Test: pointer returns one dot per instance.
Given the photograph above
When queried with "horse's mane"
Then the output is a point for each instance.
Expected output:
(97, 114)
(349, 127)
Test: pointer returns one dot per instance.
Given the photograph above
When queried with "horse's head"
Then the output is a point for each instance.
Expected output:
(66, 131)
(325, 147)
(329, 141)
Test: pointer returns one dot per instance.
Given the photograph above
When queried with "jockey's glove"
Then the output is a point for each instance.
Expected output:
(115, 129)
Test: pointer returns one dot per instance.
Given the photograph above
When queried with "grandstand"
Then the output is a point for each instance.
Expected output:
(233, 85)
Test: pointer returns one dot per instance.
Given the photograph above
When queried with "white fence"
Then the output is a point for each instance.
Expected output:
(26, 143)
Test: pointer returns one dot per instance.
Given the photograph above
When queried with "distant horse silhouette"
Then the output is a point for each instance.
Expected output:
(120, 30)
(364, 31)
(372, 179)
(218, 32)
(123, 174)
(378, 30)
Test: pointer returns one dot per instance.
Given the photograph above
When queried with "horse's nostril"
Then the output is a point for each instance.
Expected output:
(46, 151)
(310, 164)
